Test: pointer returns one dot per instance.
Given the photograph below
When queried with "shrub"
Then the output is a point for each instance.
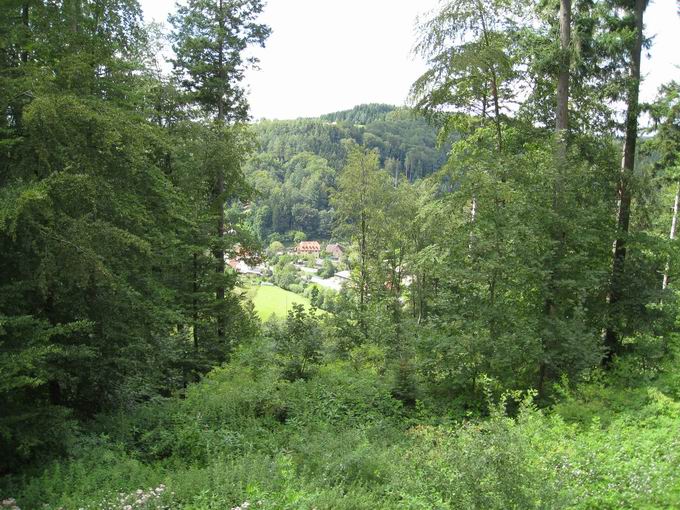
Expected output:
(298, 343)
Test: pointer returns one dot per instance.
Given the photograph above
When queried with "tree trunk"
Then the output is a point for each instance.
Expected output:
(494, 83)
(674, 223)
(25, 23)
(363, 276)
(194, 302)
(561, 130)
(219, 191)
(219, 252)
(611, 336)
(562, 111)
(75, 8)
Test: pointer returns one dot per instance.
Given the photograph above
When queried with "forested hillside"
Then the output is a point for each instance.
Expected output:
(296, 165)
(500, 311)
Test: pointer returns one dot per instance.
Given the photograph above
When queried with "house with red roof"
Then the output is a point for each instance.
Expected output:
(309, 248)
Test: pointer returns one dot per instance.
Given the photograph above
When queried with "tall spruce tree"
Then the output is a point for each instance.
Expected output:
(210, 37)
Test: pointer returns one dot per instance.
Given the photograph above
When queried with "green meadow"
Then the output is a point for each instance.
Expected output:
(271, 300)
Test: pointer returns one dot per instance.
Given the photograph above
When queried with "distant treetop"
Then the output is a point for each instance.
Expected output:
(361, 114)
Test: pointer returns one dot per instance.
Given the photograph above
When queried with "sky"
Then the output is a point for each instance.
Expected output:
(330, 55)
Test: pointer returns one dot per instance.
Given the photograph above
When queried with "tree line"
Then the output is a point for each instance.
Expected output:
(114, 181)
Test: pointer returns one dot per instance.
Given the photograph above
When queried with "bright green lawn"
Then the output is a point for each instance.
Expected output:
(270, 300)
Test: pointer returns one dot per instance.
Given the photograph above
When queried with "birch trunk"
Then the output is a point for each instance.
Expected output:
(674, 223)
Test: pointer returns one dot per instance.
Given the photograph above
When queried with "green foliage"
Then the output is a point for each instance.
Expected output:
(478, 273)
(209, 41)
(296, 169)
(298, 343)
(327, 270)
(485, 465)
(86, 215)
(339, 440)
(275, 247)
(285, 274)
(107, 270)
(361, 114)
(29, 425)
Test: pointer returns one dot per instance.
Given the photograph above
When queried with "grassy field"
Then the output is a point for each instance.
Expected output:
(270, 300)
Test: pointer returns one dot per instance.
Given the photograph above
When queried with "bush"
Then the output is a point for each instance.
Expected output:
(338, 439)
(298, 343)
(487, 464)
(327, 270)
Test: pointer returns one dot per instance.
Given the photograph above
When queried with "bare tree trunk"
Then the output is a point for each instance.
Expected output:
(495, 101)
(674, 223)
(219, 252)
(421, 297)
(473, 218)
(611, 336)
(485, 102)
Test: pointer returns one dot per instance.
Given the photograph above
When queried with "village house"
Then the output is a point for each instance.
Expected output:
(242, 267)
(335, 250)
(309, 248)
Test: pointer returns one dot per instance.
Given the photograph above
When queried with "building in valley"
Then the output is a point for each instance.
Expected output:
(309, 248)
(335, 250)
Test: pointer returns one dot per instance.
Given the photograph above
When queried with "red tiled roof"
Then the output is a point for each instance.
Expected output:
(309, 246)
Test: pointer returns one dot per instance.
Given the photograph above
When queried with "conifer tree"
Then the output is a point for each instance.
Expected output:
(209, 40)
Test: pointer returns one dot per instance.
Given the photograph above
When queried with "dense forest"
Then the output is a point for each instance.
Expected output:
(507, 338)
(297, 162)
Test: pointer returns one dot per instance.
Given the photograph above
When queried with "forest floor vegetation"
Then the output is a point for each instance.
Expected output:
(246, 437)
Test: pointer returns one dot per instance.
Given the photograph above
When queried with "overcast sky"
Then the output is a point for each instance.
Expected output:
(329, 55)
